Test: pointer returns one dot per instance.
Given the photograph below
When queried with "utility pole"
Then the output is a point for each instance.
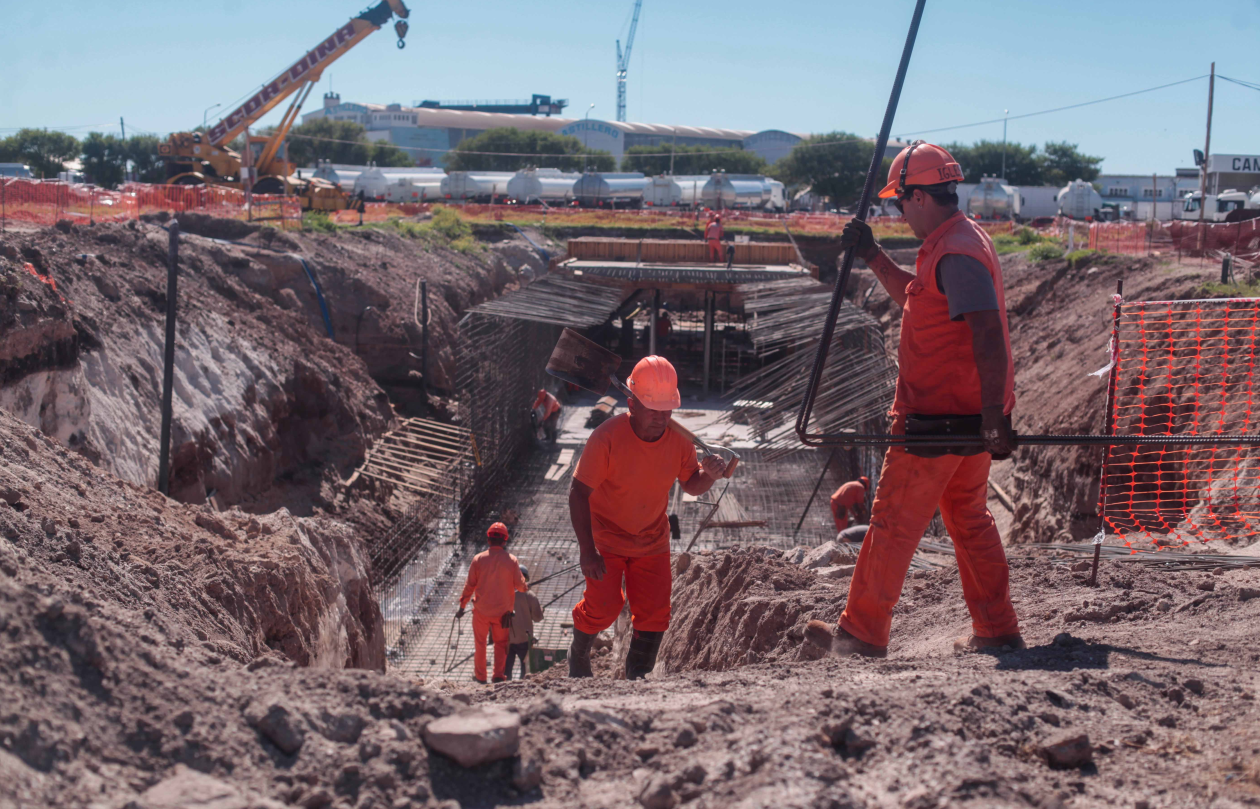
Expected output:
(1004, 114)
(1207, 153)
(1154, 196)
(673, 147)
(123, 126)
(586, 135)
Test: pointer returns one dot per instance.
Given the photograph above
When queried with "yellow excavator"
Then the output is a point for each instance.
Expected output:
(196, 158)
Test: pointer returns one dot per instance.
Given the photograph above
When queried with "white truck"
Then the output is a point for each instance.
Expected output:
(1218, 205)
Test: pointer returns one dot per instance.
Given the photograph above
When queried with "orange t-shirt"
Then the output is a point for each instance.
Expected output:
(631, 479)
(849, 495)
(494, 577)
(549, 403)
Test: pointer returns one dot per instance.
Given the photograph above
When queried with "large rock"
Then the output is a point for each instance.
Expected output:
(189, 789)
(825, 555)
(1068, 752)
(280, 724)
(835, 571)
(475, 737)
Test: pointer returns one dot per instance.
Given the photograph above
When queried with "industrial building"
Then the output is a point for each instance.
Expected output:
(429, 132)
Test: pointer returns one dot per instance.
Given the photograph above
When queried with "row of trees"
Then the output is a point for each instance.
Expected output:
(833, 164)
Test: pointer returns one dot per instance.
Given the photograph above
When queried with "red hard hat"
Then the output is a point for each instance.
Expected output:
(654, 382)
(865, 481)
(928, 165)
(497, 531)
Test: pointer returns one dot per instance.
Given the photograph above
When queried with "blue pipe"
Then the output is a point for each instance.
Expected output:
(319, 294)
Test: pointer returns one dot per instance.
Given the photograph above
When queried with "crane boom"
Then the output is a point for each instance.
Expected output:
(307, 69)
(623, 62)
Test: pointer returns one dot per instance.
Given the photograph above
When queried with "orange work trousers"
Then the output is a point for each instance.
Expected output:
(483, 626)
(648, 579)
(909, 491)
(715, 254)
(841, 516)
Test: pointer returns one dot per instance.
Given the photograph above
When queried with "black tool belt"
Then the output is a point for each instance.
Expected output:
(945, 426)
(506, 621)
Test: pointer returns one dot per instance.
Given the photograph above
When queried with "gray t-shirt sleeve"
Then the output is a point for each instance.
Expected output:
(967, 285)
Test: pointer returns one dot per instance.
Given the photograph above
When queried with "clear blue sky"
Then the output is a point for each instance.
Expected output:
(803, 65)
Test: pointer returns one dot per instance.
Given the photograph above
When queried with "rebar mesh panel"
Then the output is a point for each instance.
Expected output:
(1184, 368)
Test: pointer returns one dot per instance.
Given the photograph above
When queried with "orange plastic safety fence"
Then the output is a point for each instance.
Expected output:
(1185, 238)
(45, 202)
(1184, 368)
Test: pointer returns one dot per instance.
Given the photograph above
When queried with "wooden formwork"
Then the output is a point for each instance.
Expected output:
(677, 251)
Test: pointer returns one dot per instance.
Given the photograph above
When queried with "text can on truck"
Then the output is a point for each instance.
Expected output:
(196, 158)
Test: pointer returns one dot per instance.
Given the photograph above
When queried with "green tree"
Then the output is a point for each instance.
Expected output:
(142, 151)
(833, 165)
(1063, 162)
(44, 151)
(509, 149)
(104, 159)
(653, 160)
(984, 158)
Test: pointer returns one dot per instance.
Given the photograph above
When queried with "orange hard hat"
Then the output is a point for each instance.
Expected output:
(928, 165)
(497, 531)
(654, 382)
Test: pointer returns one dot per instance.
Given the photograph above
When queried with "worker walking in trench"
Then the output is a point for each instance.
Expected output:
(850, 500)
(524, 614)
(713, 233)
(617, 503)
(494, 578)
(954, 363)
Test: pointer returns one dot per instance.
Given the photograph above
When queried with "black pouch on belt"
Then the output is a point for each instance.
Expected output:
(506, 620)
(944, 425)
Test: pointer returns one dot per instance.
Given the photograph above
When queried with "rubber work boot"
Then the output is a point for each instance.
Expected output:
(975, 643)
(580, 654)
(641, 658)
(839, 643)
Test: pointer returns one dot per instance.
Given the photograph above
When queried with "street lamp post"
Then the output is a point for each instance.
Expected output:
(586, 132)
(207, 112)
(1004, 114)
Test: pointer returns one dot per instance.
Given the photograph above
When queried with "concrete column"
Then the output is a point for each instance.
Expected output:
(708, 338)
(656, 307)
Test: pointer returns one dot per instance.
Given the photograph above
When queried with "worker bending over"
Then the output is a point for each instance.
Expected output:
(954, 363)
(713, 234)
(617, 504)
(524, 614)
(494, 578)
(546, 411)
(849, 500)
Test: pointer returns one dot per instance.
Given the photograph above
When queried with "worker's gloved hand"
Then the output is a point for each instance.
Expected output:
(995, 428)
(713, 466)
(459, 613)
(858, 234)
(593, 565)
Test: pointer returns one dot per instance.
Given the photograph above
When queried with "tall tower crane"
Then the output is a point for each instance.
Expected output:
(623, 63)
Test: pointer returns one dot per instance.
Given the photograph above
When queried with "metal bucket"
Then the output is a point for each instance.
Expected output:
(583, 363)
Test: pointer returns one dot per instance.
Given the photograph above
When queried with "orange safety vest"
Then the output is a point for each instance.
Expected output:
(938, 374)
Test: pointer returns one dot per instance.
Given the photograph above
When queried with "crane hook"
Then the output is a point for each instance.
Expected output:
(400, 28)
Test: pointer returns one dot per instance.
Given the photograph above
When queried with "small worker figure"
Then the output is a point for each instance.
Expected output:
(617, 503)
(494, 578)
(850, 499)
(664, 327)
(713, 236)
(546, 411)
(527, 611)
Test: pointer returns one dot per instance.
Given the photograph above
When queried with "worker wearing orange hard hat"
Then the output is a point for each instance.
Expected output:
(494, 579)
(956, 374)
(617, 503)
(849, 499)
(713, 236)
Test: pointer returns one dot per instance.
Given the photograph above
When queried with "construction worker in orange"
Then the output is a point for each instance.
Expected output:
(713, 235)
(545, 411)
(617, 503)
(956, 375)
(494, 579)
(850, 498)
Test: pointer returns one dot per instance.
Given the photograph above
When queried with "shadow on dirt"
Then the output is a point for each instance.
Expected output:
(1067, 653)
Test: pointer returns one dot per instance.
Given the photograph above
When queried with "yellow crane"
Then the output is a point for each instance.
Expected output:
(194, 158)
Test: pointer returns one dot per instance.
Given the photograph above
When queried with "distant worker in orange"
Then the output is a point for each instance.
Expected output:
(955, 364)
(850, 498)
(546, 411)
(494, 579)
(617, 503)
(713, 235)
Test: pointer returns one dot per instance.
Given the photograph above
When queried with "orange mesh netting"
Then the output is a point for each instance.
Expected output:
(1183, 368)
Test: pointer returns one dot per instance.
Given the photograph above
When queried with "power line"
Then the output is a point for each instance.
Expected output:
(1249, 85)
(1056, 109)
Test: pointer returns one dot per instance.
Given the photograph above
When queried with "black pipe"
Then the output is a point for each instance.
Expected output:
(424, 334)
(168, 360)
(846, 266)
